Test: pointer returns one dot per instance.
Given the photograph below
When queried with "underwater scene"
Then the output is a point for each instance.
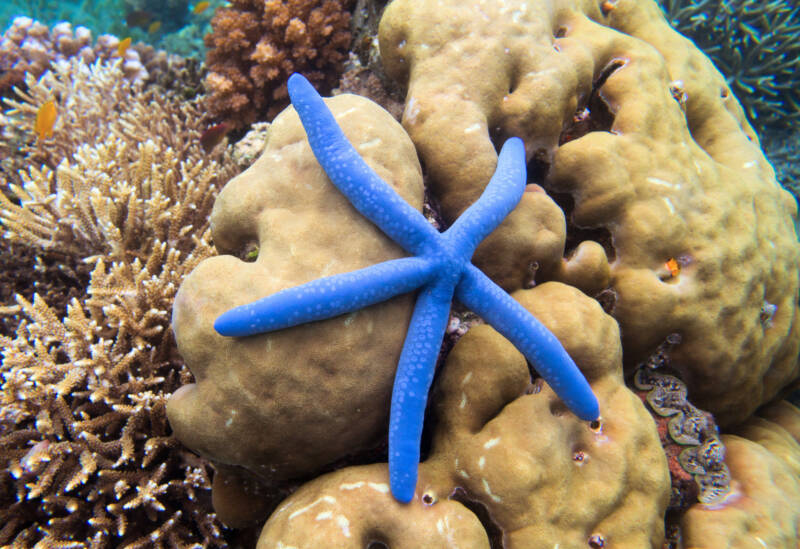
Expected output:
(400, 274)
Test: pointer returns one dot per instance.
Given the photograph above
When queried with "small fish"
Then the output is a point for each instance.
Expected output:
(213, 136)
(200, 7)
(46, 119)
(673, 267)
(154, 26)
(138, 18)
(123, 46)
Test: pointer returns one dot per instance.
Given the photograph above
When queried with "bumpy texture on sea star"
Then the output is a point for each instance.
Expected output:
(441, 268)
(505, 449)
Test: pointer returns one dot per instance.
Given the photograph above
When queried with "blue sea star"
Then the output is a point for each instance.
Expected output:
(440, 267)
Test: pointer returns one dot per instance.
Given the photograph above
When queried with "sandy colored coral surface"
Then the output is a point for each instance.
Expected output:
(284, 404)
(506, 445)
(764, 509)
(631, 120)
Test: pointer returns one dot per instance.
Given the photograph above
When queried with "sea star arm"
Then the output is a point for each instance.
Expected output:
(411, 384)
(501, 195)
(366, 191)
(537, 343)
(326, 297)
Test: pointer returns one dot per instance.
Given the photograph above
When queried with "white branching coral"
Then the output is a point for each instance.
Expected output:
(87, 455)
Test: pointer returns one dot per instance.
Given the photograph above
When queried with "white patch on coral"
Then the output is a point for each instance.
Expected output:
(351, 485)
(371, 144)
(324, 499)
(463, 402)
(669, 204)
(491, 442)
(662, 182)
(344, 524)
(488, 491)
(344, 113)
(412, 110)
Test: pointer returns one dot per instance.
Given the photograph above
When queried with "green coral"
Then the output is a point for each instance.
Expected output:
(756, 45)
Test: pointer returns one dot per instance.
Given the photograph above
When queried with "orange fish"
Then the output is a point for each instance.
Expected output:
(123, 46)
(46, 119)
(154, 26)
(200, 7)
(673, 267)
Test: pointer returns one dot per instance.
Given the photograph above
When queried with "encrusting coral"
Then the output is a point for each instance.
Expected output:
(288, 423)
(256, 45)
(508, 461)
(675, 211)
(87, 454)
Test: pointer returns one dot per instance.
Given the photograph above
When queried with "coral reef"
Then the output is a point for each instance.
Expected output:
(508, 461)
(256, 45)
(29, 48)
(764, 509)
(657, 165)
(93, 14)
(439, 271)
(87, 454)
(281, 224)
(756, 45)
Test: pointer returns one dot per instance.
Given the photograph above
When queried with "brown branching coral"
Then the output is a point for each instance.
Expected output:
(85, 443)
(256, 45)
(95, 101)
(88, 458)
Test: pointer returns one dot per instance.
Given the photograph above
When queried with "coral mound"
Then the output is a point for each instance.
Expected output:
(508, 454)
(284, 404)
(673, 206)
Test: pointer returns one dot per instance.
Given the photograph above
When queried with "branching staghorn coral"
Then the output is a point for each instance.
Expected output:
(88, 458)
(756, 45)
(95, 101)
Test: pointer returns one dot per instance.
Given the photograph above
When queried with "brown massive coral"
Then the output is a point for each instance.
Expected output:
(672, 207)
(509, 462)
(88, 457)
(256, 45)
(283, 405)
